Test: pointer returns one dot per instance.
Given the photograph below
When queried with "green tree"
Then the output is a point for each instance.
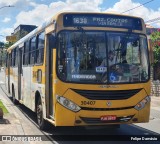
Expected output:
(8, 44)
(1, 52)
(3, 48)
(155, 38)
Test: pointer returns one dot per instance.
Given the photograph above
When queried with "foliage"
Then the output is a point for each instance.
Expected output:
(8, 44)
(3, 107)
(3, 48)
(155, 38)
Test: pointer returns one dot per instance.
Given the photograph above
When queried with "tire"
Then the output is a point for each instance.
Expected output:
(13, 97)
(43, 125)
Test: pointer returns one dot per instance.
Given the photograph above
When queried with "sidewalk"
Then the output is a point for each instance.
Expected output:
(10, 123)
(154, 122)
(155, 108)
(155, 103)
(15, 123)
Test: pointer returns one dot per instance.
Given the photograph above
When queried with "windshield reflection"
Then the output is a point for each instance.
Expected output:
(102, 57)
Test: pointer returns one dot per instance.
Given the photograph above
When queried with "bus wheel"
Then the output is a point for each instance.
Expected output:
(13, 97)
(40, 119)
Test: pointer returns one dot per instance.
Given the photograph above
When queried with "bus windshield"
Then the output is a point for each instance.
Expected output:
(102, 57)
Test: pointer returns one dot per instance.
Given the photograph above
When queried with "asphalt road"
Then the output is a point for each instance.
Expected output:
(87, 135)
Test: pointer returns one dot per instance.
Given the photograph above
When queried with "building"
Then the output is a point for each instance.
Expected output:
(155, 68)
(23, 30)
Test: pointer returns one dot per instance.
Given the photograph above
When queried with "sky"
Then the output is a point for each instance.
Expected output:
(34, 12)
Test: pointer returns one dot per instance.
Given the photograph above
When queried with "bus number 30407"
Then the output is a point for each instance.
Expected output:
(88, 102)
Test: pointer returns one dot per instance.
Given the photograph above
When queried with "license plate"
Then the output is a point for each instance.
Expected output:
(108, 118)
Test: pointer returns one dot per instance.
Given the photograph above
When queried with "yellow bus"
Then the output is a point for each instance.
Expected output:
(83, 69)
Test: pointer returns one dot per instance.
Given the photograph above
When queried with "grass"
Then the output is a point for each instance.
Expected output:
(3, 107)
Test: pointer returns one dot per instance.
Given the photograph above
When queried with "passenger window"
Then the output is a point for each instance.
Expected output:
(40, 48)
(26, 53)
(13, 57)
(16, 56)
(33, 51)
(7, 60)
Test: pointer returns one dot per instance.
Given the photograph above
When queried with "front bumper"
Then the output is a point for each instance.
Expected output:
(65, 117)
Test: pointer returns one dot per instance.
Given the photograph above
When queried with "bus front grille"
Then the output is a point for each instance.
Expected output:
(106, 109)
(107, 95)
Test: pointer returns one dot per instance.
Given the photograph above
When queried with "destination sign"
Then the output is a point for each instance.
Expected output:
(102, 20)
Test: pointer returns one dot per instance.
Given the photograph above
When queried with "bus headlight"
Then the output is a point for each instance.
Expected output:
(142, 104)
(67, 103)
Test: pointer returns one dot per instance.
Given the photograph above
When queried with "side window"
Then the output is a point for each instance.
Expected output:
(33, 51)
(16, 56)
(40, 48)
(7, 60)
(13, 57)
(23, 54)
(26, 53)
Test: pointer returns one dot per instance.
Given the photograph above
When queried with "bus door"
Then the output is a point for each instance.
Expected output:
(20, 73)
(49, 73)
